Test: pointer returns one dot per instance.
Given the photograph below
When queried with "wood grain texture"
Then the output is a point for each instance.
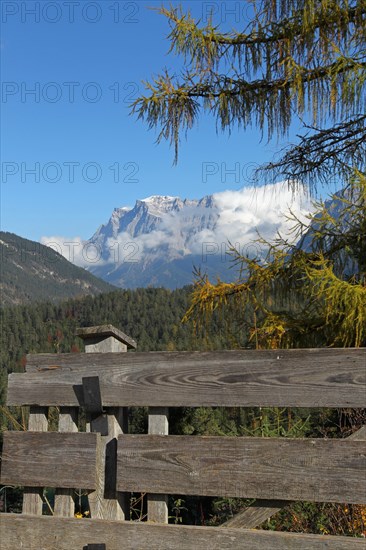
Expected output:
(256, 514)
(157, 505)
(285, 469)
(64, 498)
(106, 502)
(52, 459)
(96, 497)
(358, 435)
(33, 496)
(49, 533)
(262, 510)
(291, 378)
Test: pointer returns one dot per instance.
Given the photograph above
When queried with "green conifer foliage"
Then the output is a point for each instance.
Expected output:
(294, 60)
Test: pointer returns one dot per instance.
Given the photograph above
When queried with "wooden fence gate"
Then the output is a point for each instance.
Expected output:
(109, 463)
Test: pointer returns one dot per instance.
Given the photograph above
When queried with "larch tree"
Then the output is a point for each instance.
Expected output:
(295, 59)
(307, 292)
(298, 59)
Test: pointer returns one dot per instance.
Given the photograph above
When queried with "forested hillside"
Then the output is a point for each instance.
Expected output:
(151, 316)
(31, 271)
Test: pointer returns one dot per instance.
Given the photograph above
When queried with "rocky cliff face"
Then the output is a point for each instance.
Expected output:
(157, 242)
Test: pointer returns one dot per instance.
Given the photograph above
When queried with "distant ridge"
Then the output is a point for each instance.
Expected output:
(30, 271)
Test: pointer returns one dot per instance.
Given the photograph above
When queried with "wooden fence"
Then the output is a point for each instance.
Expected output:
(109, 463)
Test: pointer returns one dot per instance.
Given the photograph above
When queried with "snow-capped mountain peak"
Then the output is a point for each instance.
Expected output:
(159, 240)
(159, 200)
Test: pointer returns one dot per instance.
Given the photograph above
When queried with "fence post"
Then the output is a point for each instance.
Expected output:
(32, 496)
(105, 502)
(64, 498)
(157, 505)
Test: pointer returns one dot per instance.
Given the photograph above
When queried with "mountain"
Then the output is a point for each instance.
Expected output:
(158, 242)
(31, 272)
(179, 220)
(161, 239)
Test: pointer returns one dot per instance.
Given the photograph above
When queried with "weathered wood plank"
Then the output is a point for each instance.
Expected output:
(273, 378)
(256, 514)
(33, 496)
(96, 497)
(285, 469)
(359, 435)
(64, 460)
(261, 510)
(49, 533)
(64, 498)
(157, 505)
(106, 502)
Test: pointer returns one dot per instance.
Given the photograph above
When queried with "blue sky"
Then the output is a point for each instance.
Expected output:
(86, 61)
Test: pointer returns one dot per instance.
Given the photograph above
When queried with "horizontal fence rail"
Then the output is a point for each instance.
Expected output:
(108, 463)
(64, 534)
(298, 469)
(273, 378)
(50, 459)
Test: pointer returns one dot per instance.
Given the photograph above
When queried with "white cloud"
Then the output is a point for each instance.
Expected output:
(75, 250)
(262, 209)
